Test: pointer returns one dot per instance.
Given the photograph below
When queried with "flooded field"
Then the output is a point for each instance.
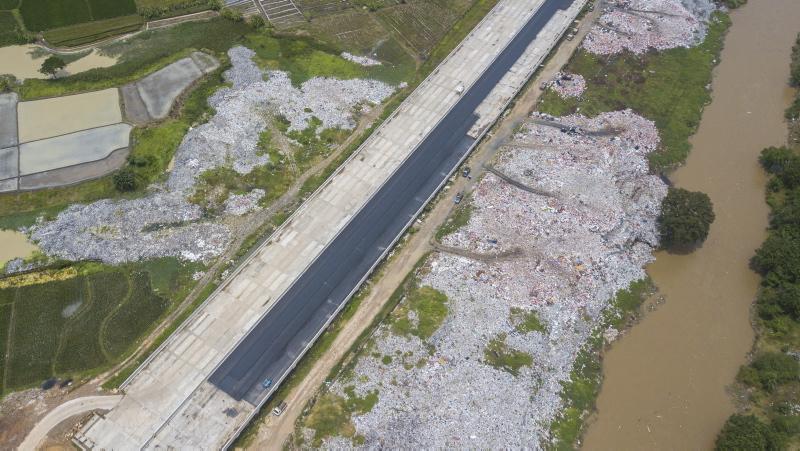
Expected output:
(14, 245)
(61, 115)
(665, 382)
(24, 61)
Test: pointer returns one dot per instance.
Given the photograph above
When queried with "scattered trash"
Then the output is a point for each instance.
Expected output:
(579, 246)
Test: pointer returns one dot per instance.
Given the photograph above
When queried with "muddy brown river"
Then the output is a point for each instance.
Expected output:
(665, 381)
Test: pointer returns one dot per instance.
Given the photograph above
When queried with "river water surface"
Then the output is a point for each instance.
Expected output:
(665, 381)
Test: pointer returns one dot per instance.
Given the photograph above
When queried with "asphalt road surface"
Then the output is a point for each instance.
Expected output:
(279, 339)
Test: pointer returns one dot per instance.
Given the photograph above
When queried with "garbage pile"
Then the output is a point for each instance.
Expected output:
(164, 223)
(568, 85)
(589, 237)
(361, 60)
(240, 204)
(640, 25)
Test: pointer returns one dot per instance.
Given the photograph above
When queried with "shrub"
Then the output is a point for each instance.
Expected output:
(125, 180)
(746, 433)
(685, 218)
(769, 370)
(234, 15)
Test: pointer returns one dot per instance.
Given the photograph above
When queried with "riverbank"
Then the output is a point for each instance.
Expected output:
(665, 384)
(768, 386)
(669, 87)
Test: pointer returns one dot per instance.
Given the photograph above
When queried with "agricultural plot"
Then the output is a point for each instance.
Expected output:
(142, 309)
(10, 32)
(316, 8)
(106, 9)
(65, 327)
(40, 15)
(76, 22)
(39, 315)
(421, 24)
(97, 30)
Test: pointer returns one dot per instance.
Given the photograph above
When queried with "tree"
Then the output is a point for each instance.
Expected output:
(52, 65)
(685, 219)
(125, 180)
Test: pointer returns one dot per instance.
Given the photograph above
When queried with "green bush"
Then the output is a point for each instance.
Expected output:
(769, 370)
(733, 4)
(747, 433)
(125, 180)
(794, 77)
(685, 219)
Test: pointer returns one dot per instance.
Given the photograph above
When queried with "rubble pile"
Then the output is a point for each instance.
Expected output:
(361, 60)
(586, 231)
(164, 223)
(568, 85)
(640, 25)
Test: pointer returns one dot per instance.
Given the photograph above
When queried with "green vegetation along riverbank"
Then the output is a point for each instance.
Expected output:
(770, 384)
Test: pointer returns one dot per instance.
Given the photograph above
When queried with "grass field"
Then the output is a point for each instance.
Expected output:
(84, 322)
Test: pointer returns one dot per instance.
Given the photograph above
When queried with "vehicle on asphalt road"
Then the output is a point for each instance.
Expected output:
(267, 383)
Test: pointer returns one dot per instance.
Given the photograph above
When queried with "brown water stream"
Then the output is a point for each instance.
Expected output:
(665, 382)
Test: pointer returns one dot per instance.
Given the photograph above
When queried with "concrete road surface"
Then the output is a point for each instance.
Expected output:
(68, 409)
(272, 347)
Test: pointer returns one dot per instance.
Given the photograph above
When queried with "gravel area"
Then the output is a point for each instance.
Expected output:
(164, 223)
(580, 246)
(641, 25)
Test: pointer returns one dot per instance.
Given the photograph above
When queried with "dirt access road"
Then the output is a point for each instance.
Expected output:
(274, 431)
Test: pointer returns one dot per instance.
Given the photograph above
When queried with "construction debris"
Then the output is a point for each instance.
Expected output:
(164, 223)
(361, 60)
(640, 25)
(590, 238)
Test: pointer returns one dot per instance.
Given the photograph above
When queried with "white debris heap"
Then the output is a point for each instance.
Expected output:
(641, 25)
(588, 233)
(360, 60)
(568, 85)
(164, 223)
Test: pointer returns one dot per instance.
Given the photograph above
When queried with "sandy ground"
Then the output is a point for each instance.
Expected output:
(275, 430)
(17, 61)
(61, 115)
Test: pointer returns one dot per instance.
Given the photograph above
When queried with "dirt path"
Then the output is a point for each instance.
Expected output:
(275, 430)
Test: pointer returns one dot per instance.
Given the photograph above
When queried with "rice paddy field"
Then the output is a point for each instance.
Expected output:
(70, 321)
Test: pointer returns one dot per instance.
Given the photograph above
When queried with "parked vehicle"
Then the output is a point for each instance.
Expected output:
(459, 197)
(466, 171)
(279, 409)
